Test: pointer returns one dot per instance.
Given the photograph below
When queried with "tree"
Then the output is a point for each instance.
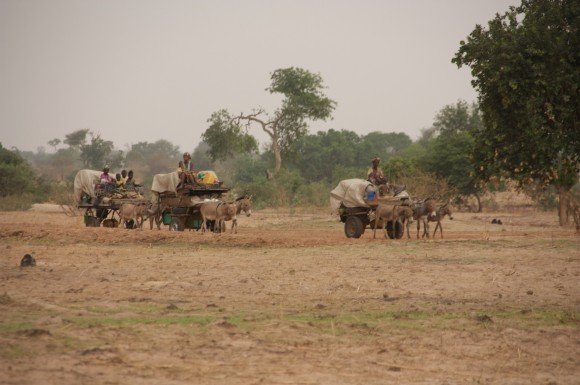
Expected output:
(99, 152)
(76, 138)
(201, 158)
(319, 155)
(53, 143)
(384, 144)
(303, 100)
(449, 151)
(225, 138)
(148, 159)
(525, 69)
(16, 175)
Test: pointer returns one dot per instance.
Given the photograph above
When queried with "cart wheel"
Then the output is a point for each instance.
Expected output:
(176, 225)
(398, 232)
(353, 227)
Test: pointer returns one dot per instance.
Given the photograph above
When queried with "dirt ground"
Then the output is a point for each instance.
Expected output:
(290, 300)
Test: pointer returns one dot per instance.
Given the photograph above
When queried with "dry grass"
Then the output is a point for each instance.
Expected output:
(289, 300)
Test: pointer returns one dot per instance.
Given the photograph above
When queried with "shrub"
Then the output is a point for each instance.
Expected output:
(18, 202)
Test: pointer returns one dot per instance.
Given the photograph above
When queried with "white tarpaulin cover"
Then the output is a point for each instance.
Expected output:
(85, 181)
(351, 193)
(165, 182)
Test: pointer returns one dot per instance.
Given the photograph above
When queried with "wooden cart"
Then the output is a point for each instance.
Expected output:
(357, 219)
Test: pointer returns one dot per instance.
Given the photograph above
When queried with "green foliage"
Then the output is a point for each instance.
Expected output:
(303, 100)
(19, 185)
(201, 158)
(99, 152)
(334, 155)
(227, 138)
(384, 144)
(318, 155)
(449, 152)
(525, 68)
(397, 168)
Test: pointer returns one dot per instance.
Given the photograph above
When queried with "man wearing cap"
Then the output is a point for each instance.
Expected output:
(375, 174)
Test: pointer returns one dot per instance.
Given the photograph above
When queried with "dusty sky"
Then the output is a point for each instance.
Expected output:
(144, 70)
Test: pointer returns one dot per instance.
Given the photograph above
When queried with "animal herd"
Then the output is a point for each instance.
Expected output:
(422, 212)
(214, 214)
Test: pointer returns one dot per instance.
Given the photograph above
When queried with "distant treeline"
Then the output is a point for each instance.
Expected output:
(438, 163)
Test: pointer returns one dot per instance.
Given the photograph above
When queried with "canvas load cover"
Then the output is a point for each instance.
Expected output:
(351, 193)
(85, 181)
(165, 182)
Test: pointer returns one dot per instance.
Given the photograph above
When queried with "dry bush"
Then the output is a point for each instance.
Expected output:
(424, 185)
(61, 194)
(20, 202)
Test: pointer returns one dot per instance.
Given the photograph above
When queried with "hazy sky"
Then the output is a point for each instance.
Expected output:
(146, 70)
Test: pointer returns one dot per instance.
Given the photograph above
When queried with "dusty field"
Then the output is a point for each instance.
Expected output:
(289, 300)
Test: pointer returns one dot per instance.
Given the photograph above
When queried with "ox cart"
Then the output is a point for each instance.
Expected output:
(178, 205)
(356, 202)
(100, 203)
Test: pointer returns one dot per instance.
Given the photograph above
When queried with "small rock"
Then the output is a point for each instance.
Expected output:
(483, 318)
(27, 260)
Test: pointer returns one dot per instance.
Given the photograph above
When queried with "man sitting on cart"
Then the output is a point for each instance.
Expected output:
(186, 173)
(375, 174)
(130, 182)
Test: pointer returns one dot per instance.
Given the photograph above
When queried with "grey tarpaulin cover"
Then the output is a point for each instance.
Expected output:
(165, 182)
(351, 193)
(85, 181)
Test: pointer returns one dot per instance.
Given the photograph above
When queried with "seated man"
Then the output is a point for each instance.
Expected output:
(130, 182)
(375, 174)
(186, 173)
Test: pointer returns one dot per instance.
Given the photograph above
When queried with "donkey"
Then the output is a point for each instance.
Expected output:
(155, 212)
(216, 211)
(438, 217)
(386, 213)
(242, 204)
(421, 210)
(135, 214)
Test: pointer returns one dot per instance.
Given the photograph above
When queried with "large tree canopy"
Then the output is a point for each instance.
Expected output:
(525, 69)
(303, 100)
(449, 150)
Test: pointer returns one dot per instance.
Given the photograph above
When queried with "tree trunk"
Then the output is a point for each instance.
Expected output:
(479, 207)
(277, 155)
(563, 201)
